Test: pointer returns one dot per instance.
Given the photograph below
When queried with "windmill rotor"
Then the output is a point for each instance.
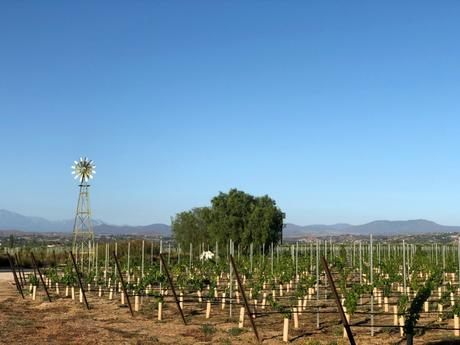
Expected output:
(83, 170)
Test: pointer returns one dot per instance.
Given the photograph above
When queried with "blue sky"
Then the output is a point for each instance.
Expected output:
(342, 111)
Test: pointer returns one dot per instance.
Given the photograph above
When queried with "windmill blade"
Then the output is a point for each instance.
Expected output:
(83, 169)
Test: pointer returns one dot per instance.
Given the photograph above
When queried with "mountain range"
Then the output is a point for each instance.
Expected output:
(15, 221)
(378, 227)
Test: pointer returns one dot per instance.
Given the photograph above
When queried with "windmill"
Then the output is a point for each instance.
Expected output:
(83, 235)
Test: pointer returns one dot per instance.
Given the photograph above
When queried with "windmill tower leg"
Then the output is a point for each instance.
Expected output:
(83, 235)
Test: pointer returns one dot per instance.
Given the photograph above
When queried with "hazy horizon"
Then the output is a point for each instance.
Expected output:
(285, 222)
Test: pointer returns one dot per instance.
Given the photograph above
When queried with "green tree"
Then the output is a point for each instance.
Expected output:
(234, 215)
(191, 227)
(229, 217)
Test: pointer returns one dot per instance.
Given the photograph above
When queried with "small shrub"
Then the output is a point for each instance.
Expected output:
(312, 342)
(208, 330)
(235, 331)
(337, 330)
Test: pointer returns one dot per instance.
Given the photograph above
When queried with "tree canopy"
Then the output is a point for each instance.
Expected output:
(235, 215)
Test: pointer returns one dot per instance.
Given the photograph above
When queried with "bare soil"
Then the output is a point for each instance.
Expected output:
(64, 321)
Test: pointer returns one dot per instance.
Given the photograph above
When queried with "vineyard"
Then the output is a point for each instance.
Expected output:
(389, 292)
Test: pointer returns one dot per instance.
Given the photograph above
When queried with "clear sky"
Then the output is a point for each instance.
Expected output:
(342, 111)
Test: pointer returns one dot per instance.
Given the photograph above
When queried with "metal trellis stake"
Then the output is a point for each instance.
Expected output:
(240, 285)
(122, 282)
(339, 304)
(172, 288)
(79, 280)
(18, 285)
(40, 274)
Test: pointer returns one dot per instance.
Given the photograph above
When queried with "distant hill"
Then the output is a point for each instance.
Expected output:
(157, 229)
(378, 227)
(15, 221)
(292, 230)
(386, 227)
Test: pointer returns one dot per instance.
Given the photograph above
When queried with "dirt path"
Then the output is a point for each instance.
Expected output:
(5, 276)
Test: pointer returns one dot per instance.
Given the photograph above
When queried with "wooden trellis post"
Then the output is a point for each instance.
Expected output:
(21, 277)
(122, 282)
(172, 288)
(18, 285)
(40, 274)
(240, 285)
(79, 280)
(339, 304)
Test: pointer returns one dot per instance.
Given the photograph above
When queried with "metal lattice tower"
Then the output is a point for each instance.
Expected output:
(83, 235)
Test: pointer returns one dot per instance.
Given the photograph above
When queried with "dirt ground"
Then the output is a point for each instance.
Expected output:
(64, 321)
